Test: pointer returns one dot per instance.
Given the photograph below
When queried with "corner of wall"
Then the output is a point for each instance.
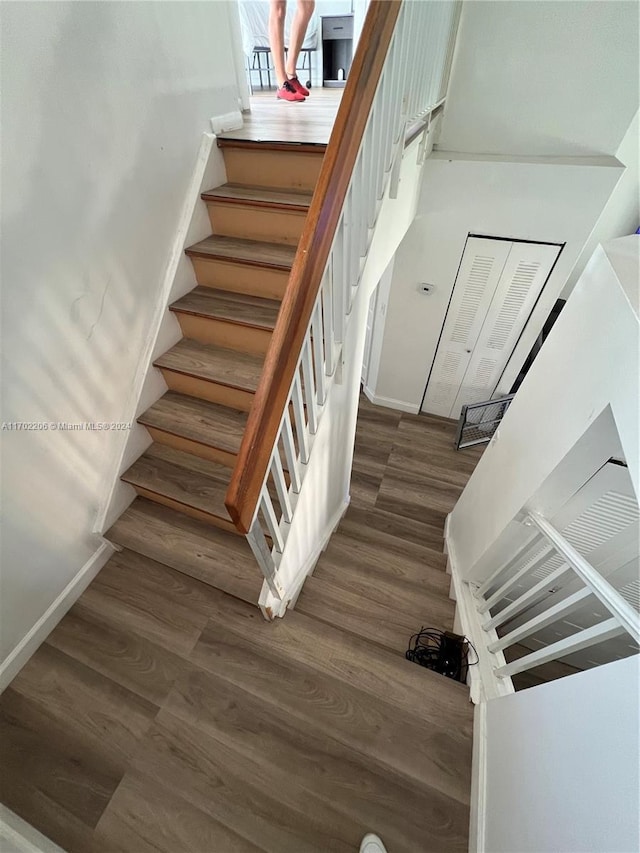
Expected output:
(21, 653)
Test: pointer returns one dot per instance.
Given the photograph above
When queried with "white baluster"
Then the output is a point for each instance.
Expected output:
(361, 223)
(290, 452)
(261, 551)
(599, 633)
(269, 514)
(327, 313)
(529, 596)
(309, 385)
(513, 579)
(542, 620)
(318, 352)
(337, 278)
(299, 418)
(347, 248)
(371, 208)
(280, 481)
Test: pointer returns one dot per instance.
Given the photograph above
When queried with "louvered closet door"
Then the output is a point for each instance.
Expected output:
(480, 271)
(522, 279)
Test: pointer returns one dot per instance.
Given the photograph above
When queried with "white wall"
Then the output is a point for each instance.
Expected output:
(526, 199)
(562, 770)
(543, 78)
(104, 106)
(621, 214)
(558, 430)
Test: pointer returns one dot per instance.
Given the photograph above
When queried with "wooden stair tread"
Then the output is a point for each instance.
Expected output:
(197, 420)
(260, 197)
(387, 624)
(214, 364)
(237, 308)
(234, 249)
(202, 551)
(385, 736)
(182, 477)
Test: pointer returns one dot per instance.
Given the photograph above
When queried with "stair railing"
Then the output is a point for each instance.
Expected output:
(499, 603)
(399, 74)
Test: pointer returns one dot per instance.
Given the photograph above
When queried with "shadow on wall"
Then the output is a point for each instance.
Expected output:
(88, 218)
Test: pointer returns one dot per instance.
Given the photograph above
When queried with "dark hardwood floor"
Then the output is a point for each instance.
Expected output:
(163, 714)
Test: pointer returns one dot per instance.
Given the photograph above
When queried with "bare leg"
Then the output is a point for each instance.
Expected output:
(277, 12)
(304, 11)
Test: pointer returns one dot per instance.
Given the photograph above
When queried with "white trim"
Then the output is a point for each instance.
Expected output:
(208, 161)
(295, 588)
(21, 653)
(391, 403)
(478, 804)
(227, 122)
(483, 681)
(18, 836)
(623, 612)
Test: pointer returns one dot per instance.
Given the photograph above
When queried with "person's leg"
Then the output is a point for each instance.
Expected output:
(304, 11)
(277, 12)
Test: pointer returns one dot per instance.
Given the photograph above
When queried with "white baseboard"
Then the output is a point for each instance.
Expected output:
(18, 836)
(391, 403)
(17, 658)
(478, 805)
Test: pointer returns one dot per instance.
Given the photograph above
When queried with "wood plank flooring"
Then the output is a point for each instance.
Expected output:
(272, 120)
(163, 714)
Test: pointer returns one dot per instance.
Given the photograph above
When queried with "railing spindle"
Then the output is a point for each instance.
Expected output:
(290, 453)
(280, 481)
(269, 514)
(528, 597)
(309, 387)
(300, 420)
(317, 334)
(327, 315)
(261, 551)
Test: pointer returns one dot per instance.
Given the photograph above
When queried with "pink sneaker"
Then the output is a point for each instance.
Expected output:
(286, 92)
(297, 85)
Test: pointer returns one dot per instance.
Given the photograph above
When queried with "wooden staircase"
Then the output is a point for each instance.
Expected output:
(325, 693)
(179, 517)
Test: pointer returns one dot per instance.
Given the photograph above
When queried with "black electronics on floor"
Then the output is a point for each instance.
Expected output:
(441, 651)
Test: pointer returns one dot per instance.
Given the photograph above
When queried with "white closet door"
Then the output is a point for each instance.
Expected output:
(482, 264)
(522, 279)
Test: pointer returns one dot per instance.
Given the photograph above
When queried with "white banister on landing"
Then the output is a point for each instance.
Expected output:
(622, 612)
(498, 602)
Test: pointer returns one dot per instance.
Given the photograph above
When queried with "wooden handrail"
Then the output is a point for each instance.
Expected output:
(309, 264)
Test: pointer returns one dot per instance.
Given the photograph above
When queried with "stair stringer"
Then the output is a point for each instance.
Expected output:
(148, 385)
